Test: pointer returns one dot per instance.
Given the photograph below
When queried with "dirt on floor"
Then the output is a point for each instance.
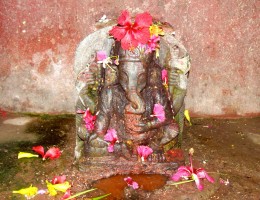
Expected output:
(228, 149)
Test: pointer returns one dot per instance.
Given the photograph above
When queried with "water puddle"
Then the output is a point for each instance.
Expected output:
(115, 185)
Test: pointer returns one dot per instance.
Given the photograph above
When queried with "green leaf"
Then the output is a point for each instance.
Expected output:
(100, 197)
(81, 193)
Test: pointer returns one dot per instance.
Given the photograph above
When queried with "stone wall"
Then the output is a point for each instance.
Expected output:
(39, 38)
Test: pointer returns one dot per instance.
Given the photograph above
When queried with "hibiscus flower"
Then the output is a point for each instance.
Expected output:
(188, 172)
(131, 183)
(52, 153)
(111, 136)
(132, 34)
(144, 152)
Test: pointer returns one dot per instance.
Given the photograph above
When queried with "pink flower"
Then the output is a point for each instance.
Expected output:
(58, 179)
(89, 120)
(131, 183)
(52, 153)
(187, 172)
(159, 112)
(152, 44)
(101, 55)
(144, 152)
(131, 34)
(111, 136)
(165, 76)
(66, 195)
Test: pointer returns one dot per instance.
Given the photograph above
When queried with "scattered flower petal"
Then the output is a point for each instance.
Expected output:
(53, 188)
(131, 183)
(111, 136)
(225, 182)
(159, 112)
(187, 116)
(165, 77)
(156, 30)
(188, 172)
(39, 150)
(58, 179)
(144, 152)
(26, 155)
(27, 192)
(52, 153)
(101, 55)
(89, 120)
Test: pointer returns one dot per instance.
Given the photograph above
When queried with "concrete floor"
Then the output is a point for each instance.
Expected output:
(226, 148)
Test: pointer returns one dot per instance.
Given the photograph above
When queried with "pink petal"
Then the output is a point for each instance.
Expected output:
(128, 180)
(110, 148)
(111, 135)
(182, 172)
(101, 55)
(143, 20)
(165, 75)
(124, 18)
(52, 153)
(198, 182)
(141, 35)
(144, 151)
(39, 150)
(135, 185)
(158, 111)
(58, 179)
(201, 173)
(66, 195)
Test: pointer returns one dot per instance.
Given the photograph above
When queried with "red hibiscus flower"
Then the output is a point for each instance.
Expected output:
(52, 153)
(131, 34)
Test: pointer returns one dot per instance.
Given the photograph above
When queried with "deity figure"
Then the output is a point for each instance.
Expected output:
(123, 97)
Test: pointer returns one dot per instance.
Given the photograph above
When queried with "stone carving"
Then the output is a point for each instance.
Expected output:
(122, 98)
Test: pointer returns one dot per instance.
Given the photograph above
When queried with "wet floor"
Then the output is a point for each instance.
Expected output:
(226, 147)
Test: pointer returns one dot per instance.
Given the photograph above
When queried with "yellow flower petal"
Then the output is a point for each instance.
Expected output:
(26, 155)
(53, 188)
(186, 114)
(156, 30)
(28, 192)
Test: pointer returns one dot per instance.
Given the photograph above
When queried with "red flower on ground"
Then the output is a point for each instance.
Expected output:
(132, 34)
(111, 136)
(58, 179)
(144, 152)
(52, 153)
(131, 183)
(188, 172)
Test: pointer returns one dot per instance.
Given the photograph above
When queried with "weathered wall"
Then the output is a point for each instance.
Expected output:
(38, 40)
